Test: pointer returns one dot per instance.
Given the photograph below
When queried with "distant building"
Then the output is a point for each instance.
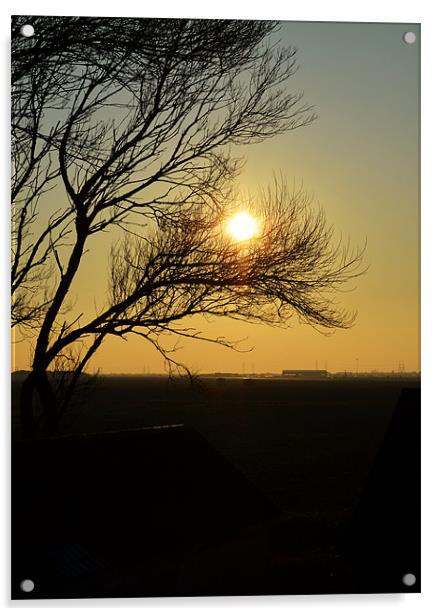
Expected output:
(308, 374)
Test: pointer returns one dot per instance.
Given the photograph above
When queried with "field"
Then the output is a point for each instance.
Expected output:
(307, 446)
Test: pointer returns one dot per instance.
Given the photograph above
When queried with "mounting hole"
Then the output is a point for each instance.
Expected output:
(409, 579)
(27, 30)
(409, 38)
(27, 586)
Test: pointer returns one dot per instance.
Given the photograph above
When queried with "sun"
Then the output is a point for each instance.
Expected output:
(242, 226)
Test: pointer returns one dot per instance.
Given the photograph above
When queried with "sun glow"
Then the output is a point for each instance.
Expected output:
(242, 226)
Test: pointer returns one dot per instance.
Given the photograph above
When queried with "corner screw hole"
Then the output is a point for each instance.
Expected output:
(27, 30)
(409, 38)
(409, 579)
(27, 585)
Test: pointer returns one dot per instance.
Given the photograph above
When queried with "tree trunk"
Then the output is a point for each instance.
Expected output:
(38, 382)
(28, 422)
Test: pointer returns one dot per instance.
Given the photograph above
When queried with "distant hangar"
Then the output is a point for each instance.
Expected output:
(307, 374)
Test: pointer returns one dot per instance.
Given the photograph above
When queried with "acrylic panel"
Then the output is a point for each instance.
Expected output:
(215, 307)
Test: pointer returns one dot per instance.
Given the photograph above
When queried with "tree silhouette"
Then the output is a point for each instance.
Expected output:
(131, 124)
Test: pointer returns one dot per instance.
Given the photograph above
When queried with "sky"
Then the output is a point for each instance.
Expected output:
(359, 161)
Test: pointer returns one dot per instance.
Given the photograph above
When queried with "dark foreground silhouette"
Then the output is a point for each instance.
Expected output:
(160, 512)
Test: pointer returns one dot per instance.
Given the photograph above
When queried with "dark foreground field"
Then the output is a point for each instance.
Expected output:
(303, 452)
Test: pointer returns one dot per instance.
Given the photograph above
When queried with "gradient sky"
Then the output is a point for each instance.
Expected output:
(359, 161)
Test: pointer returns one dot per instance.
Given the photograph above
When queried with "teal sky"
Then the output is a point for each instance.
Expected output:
(359, 160)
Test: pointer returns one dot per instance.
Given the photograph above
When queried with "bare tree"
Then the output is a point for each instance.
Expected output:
(136, 136)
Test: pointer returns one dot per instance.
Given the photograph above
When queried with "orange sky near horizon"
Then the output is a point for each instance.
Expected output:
(359, 161)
